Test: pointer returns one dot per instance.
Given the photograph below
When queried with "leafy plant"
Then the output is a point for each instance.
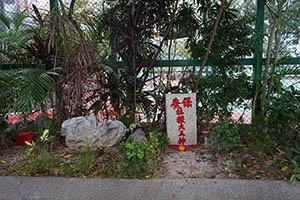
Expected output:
(60, 41)
(85, 161)
(218, 94)
(14, 37)
(44, 163)
(295, 177)
(43, 141)
(131, 37)
(282, 117)
(82, 165)
(293, 151)
(279, 126)
(141, 155)
(30, 148)
(3, 122)
(226, 134)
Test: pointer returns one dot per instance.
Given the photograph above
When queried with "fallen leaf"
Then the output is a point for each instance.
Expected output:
(284, 168)
(257, 166)
(95, 173)
(268, 162)
(68, 156)
(3, 161)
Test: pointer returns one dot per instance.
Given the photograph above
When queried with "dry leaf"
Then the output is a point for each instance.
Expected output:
(257, 166)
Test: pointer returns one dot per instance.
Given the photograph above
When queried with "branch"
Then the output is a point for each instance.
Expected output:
(210, 44)
(62, 8)
(164, 38)
(71, 8)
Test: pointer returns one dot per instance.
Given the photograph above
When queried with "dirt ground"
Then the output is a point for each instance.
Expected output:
(194, 163)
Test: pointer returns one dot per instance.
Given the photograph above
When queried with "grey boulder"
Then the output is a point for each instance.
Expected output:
(138, 135)
(82, 131)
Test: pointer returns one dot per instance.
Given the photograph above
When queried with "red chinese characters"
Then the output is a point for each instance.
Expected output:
(176, 105)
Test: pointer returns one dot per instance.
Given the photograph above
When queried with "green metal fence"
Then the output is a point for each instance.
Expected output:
(179, 56)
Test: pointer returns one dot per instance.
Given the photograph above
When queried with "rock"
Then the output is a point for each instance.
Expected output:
(40, 121)
(19, 127)
(210, 142)
(82, 131)
(138, 135)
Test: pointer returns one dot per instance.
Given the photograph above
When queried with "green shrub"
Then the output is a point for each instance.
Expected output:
(67, 170)
(295, 176)
(279, 127)
(293, 150)
(44, 140)
(82, 165)
(226, 134)
(282, 116)
(44, 163)
(141, 156)
(218, 94)
(85, 161)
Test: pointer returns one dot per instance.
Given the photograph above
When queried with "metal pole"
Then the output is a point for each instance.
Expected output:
(258, 59)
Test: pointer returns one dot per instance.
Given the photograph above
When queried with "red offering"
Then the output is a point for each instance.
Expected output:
(28, 136)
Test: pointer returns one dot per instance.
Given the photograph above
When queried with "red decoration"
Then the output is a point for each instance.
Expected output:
(179, 111)
(181, 134)
(28, 136)
(175, 103)
(181, 127)
(180, 119)
(181, 140)
(175, 146)
(187, 103)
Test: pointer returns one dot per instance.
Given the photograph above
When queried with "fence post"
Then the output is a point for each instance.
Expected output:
(53, 4)
(258, 59)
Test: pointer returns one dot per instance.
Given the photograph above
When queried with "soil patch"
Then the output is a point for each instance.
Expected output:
(190, 164)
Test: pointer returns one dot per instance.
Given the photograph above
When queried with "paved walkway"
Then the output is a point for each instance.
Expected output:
(23, 188)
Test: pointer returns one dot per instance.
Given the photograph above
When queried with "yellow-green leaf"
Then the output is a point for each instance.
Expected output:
(3, 161)
(28, 143)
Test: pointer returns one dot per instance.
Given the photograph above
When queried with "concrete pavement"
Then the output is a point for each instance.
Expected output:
(28, 188)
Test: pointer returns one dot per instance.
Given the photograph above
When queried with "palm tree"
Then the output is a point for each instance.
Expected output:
(15, 36)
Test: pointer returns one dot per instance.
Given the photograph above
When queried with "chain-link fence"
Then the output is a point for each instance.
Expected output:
(11, 8)
(286, 41)
(18, 20)
(15, 23)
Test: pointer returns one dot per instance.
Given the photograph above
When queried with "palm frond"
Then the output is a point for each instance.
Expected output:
(29, 88)
(5, 20)
(289, 71)
(18, 20)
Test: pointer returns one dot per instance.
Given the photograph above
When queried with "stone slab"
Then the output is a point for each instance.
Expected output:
(181, 119)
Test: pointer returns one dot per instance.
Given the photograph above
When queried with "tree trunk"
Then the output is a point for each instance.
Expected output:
(268, 58)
